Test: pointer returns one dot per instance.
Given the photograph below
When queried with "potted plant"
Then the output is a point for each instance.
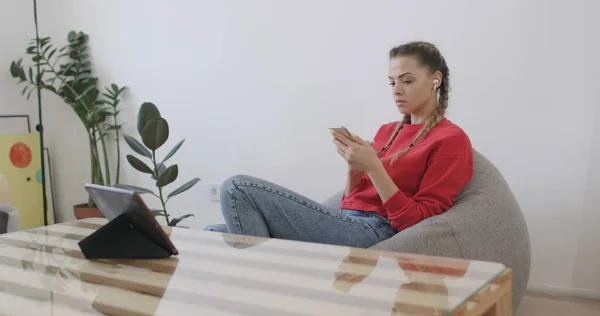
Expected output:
(154, 132)
(67, 73)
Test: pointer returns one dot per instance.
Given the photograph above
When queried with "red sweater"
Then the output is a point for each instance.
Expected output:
(429, 177)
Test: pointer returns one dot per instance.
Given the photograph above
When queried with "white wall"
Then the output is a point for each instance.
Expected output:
(252, 86)
(16, 28)
(586, 272)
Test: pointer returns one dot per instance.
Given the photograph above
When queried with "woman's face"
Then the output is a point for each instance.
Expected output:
(412, 85)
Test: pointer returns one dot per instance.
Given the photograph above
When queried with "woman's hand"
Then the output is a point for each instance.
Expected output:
(360, 154)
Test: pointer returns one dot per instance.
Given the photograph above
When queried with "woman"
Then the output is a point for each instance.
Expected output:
(412, 170)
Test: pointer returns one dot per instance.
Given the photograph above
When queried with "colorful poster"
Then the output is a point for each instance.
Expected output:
(21, 177)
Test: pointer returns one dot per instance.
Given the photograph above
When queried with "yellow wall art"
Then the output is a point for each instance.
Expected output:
(21, 177)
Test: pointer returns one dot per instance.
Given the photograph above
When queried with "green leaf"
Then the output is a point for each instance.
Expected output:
(157, 212)
(137, 189)
(85, 92)
(13, 70)
(183, 188)
(161, 167)
(48, 87)
(138, 164)
(65, 69)
(109, 93)
(176, 221)
(137, 146)
(36, 58)
(31, 74)
(51, 53)
(156, 133)
(22, 74)
(29, 94)
(44, 41)
(168, 176)
(114, 127)
(25, 90)
(148, 112)
(71, 36)
(46, 49)
(173, 151)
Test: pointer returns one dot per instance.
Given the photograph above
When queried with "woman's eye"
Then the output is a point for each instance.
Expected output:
(407, 81)
(392, 83)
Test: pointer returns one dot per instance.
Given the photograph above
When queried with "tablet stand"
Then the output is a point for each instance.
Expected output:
(119, 239)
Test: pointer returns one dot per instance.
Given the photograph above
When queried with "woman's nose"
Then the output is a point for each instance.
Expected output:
(398, 90)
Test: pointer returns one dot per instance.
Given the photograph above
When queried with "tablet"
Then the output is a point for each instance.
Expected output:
(114, 202)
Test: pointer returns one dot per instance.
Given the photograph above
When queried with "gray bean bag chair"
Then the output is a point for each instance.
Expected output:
(484, 224)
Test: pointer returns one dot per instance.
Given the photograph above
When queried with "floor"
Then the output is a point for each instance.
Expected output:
(539, 305)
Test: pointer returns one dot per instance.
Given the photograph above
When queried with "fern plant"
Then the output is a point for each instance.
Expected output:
(67, 73)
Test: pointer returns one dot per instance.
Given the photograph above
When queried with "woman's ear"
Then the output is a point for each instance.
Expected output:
(437, 80)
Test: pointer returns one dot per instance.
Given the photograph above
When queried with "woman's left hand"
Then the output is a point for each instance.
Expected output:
(359, 153)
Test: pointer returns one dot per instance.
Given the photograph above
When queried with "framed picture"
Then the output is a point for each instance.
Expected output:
(49, 186)
(14, 124)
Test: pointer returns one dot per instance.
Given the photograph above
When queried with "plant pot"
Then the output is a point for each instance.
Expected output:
(83, 211)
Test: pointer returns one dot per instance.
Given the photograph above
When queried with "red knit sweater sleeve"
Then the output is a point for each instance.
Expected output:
(443, 180)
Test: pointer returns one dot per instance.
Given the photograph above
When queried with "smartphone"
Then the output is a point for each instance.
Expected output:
(342, 130)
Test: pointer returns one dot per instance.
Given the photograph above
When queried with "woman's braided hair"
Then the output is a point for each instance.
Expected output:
(430, 56)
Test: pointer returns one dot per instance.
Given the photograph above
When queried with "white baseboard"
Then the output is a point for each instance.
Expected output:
(561, 291)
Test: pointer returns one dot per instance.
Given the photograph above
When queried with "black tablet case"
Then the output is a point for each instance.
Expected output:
(120, 239)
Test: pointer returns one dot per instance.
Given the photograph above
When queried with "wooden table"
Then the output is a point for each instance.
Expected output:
(42, 272)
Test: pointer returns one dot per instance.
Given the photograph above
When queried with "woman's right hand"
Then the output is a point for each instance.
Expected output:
(354, 173)
(354, 176)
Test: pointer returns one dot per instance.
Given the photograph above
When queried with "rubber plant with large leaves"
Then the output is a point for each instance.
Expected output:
(154, 132)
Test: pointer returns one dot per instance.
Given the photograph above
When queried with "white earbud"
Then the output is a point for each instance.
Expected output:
(435, 83)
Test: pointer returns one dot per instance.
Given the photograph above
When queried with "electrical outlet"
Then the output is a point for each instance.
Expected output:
(214, 191)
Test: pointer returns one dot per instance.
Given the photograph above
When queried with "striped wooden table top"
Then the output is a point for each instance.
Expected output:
(43, 272)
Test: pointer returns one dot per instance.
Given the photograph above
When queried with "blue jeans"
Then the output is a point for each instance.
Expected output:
(257, 207)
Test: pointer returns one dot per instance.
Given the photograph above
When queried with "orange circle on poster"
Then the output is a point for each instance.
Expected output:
(20, 155)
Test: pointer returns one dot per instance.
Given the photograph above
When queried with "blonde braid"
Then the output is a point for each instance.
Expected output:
(405, 120)
(433, 121)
